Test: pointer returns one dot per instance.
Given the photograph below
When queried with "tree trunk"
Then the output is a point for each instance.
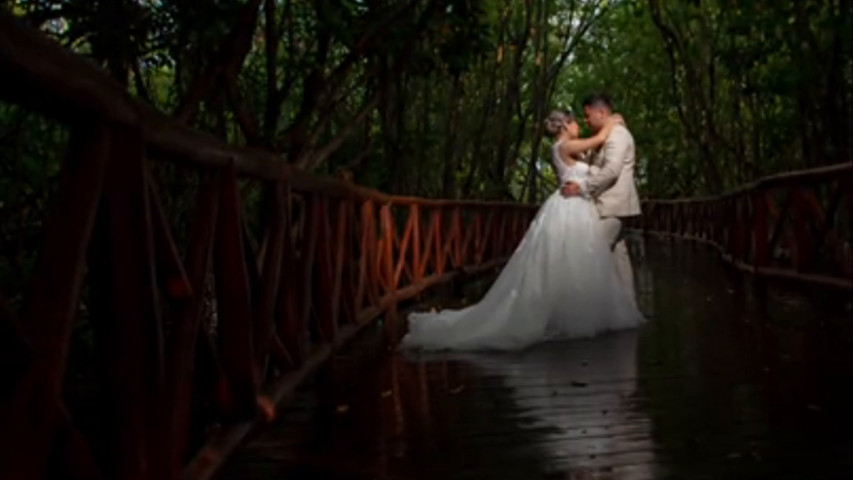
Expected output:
(538, 100)
(448, 184)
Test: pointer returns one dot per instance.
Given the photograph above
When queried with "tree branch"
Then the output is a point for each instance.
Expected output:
(227, 63)
(312, 159)
(244, 116)
(272, 108)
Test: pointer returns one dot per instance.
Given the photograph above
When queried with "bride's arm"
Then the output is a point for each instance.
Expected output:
(579, 145)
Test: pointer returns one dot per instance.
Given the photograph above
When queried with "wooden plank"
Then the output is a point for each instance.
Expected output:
(308, 261)
(403, 253)
(353, 262)
(323, 277)
(802, 237)
(270, 276)
(289, 325)
(454, 239)
(126, 316)
(181, 344)
(438, 260)
(415, 219)
(502, 235)
(782, 218)
(234, 305)
(470, 237)
(362, 284)
(341, 248)
(369, 255)
(826, 219)
(427, 245)
(487, 237)
(760, 238)
(252, 269)
(387, 253)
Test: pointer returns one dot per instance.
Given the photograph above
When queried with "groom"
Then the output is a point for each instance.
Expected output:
(610, 183)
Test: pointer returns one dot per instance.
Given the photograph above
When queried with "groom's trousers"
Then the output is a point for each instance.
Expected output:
(611, 228)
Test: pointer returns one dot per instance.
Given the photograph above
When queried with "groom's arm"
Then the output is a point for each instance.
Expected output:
(615, 150)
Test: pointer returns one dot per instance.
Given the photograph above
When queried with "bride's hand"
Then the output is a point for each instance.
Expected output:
(614, 120)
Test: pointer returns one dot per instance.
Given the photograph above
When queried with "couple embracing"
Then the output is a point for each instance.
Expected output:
(571, 274)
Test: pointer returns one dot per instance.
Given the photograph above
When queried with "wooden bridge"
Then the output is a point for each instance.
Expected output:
(198, 336)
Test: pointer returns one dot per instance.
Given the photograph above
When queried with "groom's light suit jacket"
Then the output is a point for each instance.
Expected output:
(611, 178)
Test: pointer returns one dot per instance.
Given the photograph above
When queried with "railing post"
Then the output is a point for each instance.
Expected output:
(181, 347)
(270, 275)
(127, 316)
(386, 254)
(239, 388)
(761, 254)
(31, 418)
(456, 232)
(802, 241)
(415, 218)
(438, 240)
(324, 307)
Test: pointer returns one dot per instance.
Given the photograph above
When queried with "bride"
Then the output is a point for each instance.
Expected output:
(559, 283)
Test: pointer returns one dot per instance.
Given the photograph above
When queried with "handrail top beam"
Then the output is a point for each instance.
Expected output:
(805, 176)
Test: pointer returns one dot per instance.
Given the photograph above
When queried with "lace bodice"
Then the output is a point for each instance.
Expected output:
(576, 172)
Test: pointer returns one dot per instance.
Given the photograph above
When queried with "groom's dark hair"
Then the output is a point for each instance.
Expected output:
(598, 100)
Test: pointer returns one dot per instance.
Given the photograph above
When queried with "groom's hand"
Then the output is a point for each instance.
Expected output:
(570, 189)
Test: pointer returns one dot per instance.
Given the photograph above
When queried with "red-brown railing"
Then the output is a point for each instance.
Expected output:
(793, 226)
(327, 258)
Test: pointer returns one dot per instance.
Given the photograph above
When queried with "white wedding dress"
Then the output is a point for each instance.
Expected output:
(559, 283)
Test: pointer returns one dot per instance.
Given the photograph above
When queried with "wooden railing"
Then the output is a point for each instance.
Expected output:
(195, 348)
(794, 226)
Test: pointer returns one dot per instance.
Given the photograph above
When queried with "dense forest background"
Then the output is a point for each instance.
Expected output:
(445, 97)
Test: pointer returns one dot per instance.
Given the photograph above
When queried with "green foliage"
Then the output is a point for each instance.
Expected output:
(30, 154)
(446, 97)
(752, 87)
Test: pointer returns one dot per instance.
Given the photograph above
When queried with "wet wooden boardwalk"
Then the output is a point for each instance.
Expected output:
(712, 387)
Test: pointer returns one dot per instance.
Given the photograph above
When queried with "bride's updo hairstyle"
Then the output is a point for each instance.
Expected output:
(557, 120)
